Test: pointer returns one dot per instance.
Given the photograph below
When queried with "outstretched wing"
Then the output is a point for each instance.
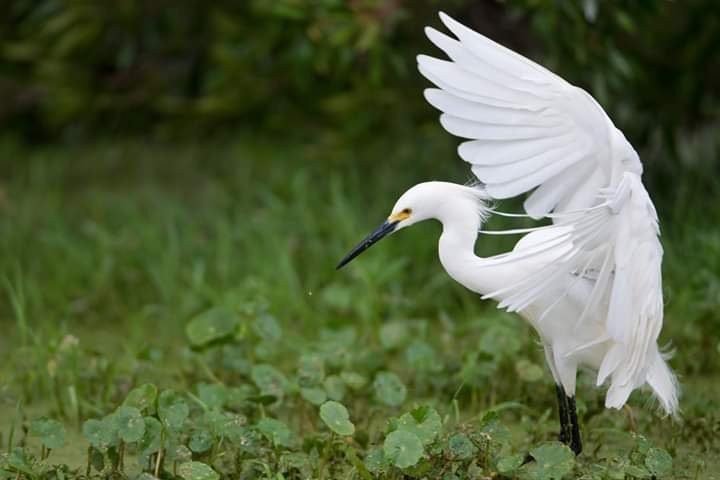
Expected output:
(530, 130)
(528, 127)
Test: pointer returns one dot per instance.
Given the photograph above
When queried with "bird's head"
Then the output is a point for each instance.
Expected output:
(441, 200)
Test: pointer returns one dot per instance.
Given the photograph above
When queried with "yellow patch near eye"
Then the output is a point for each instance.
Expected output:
(400, 216)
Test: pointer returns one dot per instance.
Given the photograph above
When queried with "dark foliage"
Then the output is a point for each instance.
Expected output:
(79, 68)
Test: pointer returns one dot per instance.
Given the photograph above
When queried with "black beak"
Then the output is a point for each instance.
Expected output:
(383, 230)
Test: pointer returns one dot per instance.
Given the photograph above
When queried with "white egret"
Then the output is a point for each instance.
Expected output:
(590, 282)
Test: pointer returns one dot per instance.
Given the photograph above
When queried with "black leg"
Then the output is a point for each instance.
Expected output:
(565, 432)
(575, 441)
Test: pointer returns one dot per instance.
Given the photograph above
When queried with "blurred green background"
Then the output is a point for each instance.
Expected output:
(158, 158)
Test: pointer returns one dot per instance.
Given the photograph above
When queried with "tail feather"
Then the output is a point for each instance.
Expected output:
(664, 384)
(658, 376)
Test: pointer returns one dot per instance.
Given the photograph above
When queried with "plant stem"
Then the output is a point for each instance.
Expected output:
(158, 460)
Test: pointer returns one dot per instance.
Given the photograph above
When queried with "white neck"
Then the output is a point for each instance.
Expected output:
(456, 249)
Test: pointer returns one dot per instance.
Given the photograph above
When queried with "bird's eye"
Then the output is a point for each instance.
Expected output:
(406, 211)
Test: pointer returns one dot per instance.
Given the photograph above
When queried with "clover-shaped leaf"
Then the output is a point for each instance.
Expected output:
(275, 431)
(201, 441)
(246, 439)
(424, 422)
(402, 448)
(389, 389)
(142, 397)
(212, 395)
(231, 426)
(658, 461)
(375, 461)
(337, 418)
(553, 460)
(211, 325)
(314, 395)
(180, 453)
(129, 423)
(353, 380)
(461, 447)
(269, 380)
(196, 471)
(100, 433)
(150, 441)
(311, 370)
(267, 328)
(172, 409)
(335, 387)
(51, 432)
(508, 465)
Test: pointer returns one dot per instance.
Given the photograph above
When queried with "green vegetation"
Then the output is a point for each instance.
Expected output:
(173, 311)
(179, 179)
(69, 69)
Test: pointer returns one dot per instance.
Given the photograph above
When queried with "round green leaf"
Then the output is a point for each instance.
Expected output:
(129, 423)
(201, 441)
(553, 460)
(460, 447)
(275, 431)
(142, 397)
(353, 380)
(150, 441)
(658, 461)
(50, 432)
(269, 380)
(297, 461)
(508, 465)
(314, 395)
(172, 409)
(212, 395)
(196, 471)
(247, 440)
(181, 453)
(231, 426)
(375, 461)
(424, 422)
(267, 328)
(336, 417)
(402, 448)
(389, 389)
(335, 387)
(311, 370)
(211, 325)
(100, 433)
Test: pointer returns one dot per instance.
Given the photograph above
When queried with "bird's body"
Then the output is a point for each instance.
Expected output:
(554, 315)
(590, 282)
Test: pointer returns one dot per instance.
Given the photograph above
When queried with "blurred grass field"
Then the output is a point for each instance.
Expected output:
(108, 251)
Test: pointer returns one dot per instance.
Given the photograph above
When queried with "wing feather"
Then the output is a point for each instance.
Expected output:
(480, 112)
(488, 131)
(528, 129)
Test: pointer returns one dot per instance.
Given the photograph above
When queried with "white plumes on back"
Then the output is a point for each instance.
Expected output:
(528, 130)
